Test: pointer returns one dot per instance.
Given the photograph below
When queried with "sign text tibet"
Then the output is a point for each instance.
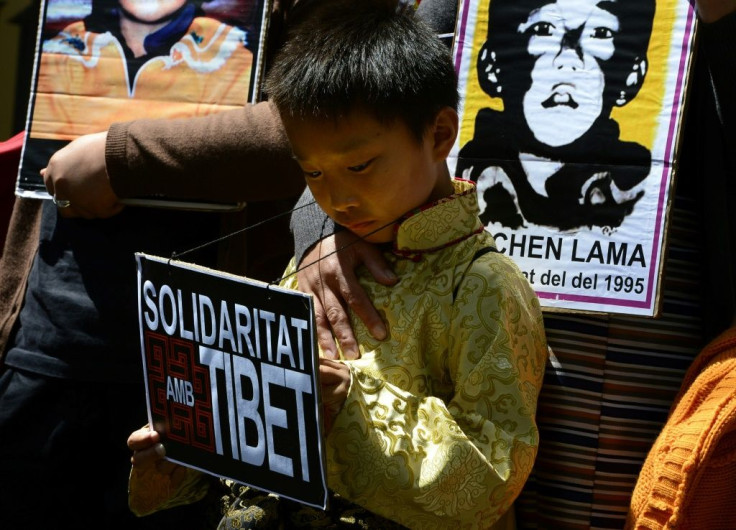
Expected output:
(230, 369)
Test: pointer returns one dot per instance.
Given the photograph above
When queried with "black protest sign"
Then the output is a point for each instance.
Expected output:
(231, 377)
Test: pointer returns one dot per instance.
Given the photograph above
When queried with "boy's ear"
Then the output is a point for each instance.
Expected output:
(444, 132)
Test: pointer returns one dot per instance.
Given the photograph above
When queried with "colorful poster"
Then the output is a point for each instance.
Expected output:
(105, 61)
(570, 120)
(230, 367)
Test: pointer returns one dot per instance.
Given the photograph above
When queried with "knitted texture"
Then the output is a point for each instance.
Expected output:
(689, 477)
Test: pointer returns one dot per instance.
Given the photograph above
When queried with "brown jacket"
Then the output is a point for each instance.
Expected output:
(258, 167)
(15, 264)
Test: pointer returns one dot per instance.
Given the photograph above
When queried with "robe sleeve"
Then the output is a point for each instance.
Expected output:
(429, 462)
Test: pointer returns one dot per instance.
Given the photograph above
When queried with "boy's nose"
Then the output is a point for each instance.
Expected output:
(342, 201)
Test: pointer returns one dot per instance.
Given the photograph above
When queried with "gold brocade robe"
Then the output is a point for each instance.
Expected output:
(438, 429)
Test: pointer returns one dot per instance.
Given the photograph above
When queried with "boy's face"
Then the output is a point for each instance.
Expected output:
(151, 11)
(365, 174)
(568, 40)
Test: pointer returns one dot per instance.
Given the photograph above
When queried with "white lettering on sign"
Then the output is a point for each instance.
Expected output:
(180, 391)
(244, 410)
(234, 328)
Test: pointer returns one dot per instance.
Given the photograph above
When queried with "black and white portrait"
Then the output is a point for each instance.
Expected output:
(553, 156)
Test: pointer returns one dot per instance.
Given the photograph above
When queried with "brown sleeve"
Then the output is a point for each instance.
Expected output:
(241, 155)
(15, 263)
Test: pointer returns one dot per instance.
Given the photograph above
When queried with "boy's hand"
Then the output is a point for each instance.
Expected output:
(152, 479)
(148, 452)
(77, 173)
(334, 379)
(335, 287)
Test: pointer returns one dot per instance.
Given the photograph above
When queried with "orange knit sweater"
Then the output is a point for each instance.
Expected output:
(689, 477)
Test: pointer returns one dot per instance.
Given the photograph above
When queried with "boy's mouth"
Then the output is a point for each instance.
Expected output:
(358, 226)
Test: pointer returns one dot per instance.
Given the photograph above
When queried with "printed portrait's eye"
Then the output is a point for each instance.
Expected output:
(541, 29)
(602, 33)
(312, 174)
(360, 167)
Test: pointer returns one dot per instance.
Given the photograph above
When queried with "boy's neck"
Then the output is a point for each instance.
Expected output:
(444, 187)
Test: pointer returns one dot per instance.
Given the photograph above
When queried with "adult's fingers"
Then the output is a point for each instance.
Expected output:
(69, 209)
(318, 279)
(333, 299)
(357, 299)
(77, 173)
(333, 321)
(374, 260)
(324, 332)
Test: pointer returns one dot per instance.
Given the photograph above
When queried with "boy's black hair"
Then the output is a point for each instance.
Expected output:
(343, 55)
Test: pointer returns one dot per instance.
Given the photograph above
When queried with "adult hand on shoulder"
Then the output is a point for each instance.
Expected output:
(76, 175)
(712, 10)
(335, 287)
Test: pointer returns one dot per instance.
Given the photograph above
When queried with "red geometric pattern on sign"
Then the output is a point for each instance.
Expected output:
(177, 366)
(200, 422)
(156, 346)
(177, 358)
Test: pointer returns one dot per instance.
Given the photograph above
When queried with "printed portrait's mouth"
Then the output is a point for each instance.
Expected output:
(558, 99)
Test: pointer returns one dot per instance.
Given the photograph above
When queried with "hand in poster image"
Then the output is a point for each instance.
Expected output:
(553, 155)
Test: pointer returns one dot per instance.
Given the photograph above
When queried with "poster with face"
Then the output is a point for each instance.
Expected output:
(570, 119)
(105, 61)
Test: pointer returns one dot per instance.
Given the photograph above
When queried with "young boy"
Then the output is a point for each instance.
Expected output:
(433, 427)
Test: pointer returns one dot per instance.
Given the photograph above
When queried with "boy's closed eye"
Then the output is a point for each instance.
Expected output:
(361, 167)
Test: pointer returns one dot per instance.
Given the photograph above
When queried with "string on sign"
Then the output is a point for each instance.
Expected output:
(177, 255)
